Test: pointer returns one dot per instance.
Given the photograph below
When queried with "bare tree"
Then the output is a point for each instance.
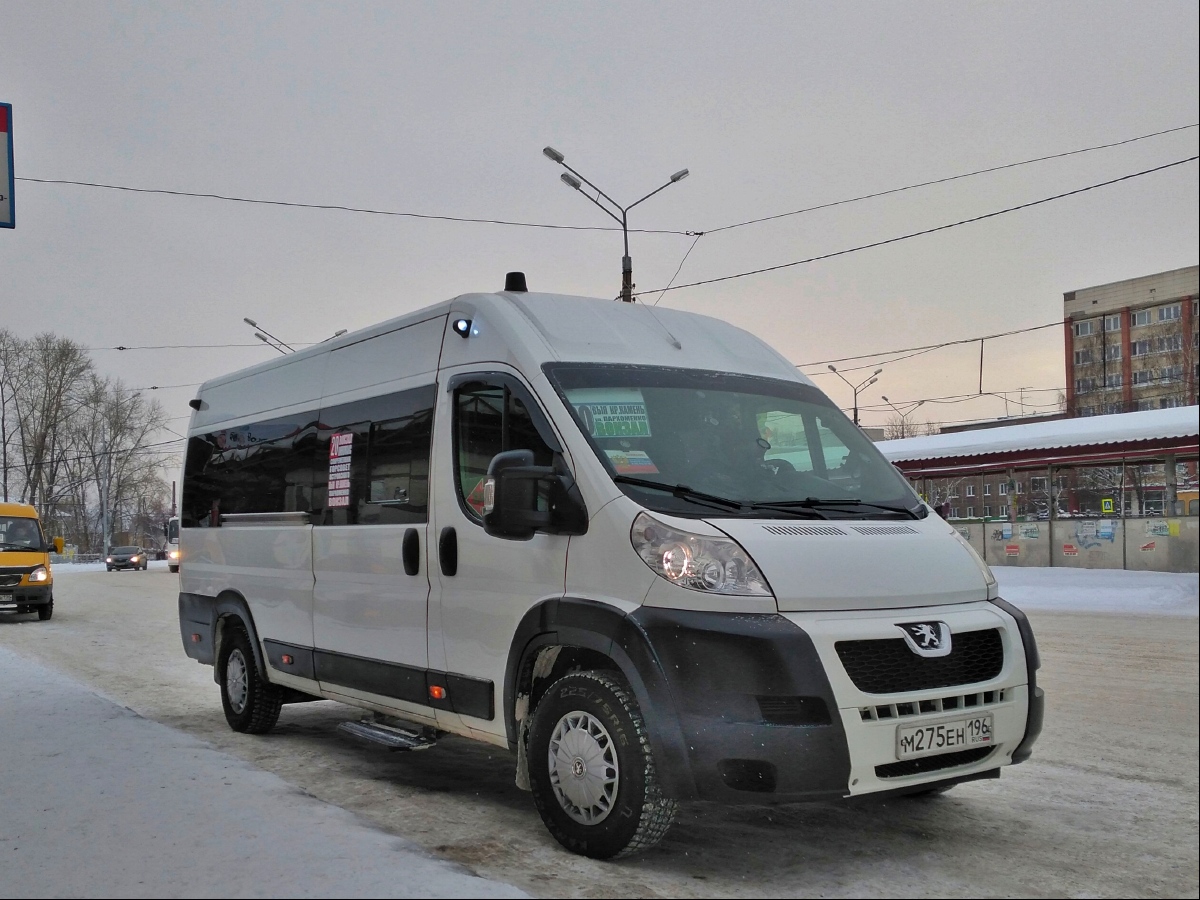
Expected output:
(112, 432)
(44, 374)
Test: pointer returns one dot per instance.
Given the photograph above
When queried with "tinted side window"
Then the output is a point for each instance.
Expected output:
(261, 467)
(373, 460)
(489, 419)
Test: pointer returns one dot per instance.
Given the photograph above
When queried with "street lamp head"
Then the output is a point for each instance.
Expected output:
(885, 399)
(570, 181)
(552, 154)
(251, 323)
(679, 176)
(877, 371)
(872, 381)
(831, 367)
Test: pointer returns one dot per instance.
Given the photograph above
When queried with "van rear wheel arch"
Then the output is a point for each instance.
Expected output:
(232, 611)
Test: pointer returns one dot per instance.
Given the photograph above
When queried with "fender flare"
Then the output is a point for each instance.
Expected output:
(231, 604)
(604, 629)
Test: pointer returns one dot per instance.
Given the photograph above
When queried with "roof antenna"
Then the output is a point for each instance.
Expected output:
(515, 282)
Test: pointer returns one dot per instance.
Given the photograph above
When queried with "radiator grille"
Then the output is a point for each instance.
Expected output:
(889, 667)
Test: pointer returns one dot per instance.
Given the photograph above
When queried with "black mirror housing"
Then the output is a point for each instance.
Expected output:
(513, 489)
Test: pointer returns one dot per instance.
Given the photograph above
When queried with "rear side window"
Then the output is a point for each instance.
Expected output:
(261, 467)
(373, 460)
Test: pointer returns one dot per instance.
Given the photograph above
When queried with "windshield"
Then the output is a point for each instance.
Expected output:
(19, 533)
(124, 550)
(730, 444)
(173, 531)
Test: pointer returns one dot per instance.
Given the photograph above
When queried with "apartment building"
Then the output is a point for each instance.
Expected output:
(1132, 345)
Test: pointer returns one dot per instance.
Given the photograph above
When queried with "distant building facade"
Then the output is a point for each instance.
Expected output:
(1132, 345)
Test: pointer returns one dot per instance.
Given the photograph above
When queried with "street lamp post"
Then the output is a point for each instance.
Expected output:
(576, 181)
(856, 387)
(903, 415)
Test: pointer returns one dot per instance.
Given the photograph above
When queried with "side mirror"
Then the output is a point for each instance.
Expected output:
(520, 499)
(58, 545)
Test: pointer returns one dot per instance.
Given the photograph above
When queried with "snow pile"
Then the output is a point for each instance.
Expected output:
(1100, 591)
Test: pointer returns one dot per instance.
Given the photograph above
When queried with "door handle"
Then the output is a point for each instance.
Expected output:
(410, 552)
(448, 551)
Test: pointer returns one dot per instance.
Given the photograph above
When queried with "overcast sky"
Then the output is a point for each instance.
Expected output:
(443, 109)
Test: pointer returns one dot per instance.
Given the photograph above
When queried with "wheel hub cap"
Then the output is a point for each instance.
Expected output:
(236, 686)
(584, 771)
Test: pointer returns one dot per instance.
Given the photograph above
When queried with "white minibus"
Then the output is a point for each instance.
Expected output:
(633, 546)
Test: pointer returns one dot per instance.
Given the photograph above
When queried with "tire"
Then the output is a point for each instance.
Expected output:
(251, 703)
(110, 568)
(45, 611)
(613, 806)
(174, 570)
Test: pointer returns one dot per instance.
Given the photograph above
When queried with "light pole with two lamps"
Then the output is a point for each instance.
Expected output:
(903, 415)
(856, 387)
(576, 181)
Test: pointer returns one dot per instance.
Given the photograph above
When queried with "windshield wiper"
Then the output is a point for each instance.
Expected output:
(813, 502)
(682, 491)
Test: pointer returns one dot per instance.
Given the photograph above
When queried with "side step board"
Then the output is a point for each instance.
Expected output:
(390, 736)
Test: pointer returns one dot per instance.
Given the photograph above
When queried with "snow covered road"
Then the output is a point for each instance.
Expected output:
(1106, 807)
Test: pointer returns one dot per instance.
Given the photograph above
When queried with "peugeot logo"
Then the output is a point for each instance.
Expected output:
(929, 639)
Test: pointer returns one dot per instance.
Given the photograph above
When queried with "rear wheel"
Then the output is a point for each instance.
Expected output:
(45, 611)
(592, 770)
(251, 703)
(173, 569)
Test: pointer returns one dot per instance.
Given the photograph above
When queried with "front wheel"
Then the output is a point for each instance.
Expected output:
(45, 611)
(592, 770)
(251, 703)
(173, 569)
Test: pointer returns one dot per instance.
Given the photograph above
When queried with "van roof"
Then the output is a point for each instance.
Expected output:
(532, 329)
(18, 510)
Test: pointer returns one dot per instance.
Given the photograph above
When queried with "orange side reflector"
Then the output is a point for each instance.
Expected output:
(437, 692)
(195, 638)
(287, 659)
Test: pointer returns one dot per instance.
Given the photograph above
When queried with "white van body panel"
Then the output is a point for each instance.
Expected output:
(393, 361)
(270, 564)
(844, 564)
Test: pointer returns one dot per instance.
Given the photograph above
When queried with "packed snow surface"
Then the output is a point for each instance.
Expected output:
(1099, 590)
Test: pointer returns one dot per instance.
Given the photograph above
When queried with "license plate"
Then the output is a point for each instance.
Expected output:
(943, 737)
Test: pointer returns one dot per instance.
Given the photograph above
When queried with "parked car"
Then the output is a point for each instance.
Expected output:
(127, 558)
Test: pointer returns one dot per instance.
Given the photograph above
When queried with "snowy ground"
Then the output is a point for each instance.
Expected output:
(1100, 590)
(1107, 806)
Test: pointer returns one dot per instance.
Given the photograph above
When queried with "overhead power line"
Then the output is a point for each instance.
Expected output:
(948, 178)
(336, 207)
(970, 340)
(339, 207)
(924, 231)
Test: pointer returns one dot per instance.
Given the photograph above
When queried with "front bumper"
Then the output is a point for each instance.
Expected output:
(13, 599)
(768, 712)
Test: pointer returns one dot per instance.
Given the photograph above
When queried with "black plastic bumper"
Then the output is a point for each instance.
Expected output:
(32, 595)
(755, 708)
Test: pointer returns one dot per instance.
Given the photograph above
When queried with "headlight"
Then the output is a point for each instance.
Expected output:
(133, 558)
(108, 559)
(172, 554)
(714, 565)
(38, 575)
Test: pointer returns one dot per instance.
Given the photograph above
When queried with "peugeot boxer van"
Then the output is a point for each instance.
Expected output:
(633, 546)
(26, 581)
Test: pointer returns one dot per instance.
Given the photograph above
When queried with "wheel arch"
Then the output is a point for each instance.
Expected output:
(229, 605)
(592, 634)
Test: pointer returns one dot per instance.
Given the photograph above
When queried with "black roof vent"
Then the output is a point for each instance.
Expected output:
(515, 282)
